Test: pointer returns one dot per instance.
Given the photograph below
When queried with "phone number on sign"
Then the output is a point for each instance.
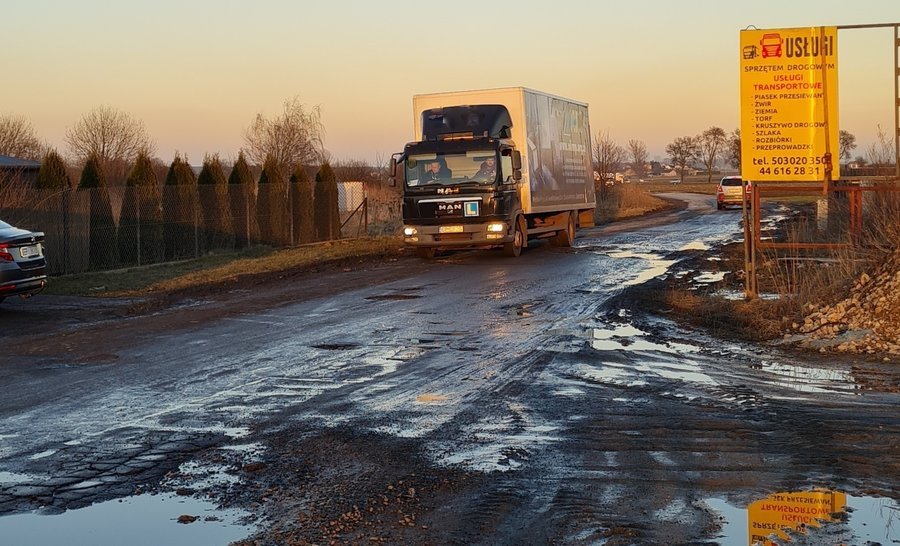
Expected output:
(798, 160)
(790, 171)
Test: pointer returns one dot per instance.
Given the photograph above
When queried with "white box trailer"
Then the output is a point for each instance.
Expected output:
(543, 187)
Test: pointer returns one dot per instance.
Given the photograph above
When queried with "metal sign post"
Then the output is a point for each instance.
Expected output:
(789, 118)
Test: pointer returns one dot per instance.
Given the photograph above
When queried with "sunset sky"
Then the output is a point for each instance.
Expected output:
(196, 72)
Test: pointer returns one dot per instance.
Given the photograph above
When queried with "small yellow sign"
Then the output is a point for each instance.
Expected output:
(450, 229)
(789, 104)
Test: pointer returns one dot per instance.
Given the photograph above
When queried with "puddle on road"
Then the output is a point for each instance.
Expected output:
(695, 245)
(497, 445)
(805, 379)
(13, 478)
(393, 297)
(842, 518)
(737, 295)
(629, 338)
(657, 266)
(336, 346)
(522, 310)
(660, 358)
(710, 277)
(137, 521)
(431, 398)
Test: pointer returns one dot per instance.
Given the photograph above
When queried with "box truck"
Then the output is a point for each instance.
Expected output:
(495, 168)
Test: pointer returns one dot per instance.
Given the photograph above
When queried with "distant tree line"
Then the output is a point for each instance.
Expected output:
(179, 214)
(190, 214)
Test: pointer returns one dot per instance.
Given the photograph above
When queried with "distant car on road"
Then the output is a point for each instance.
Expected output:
(728, 193)
(23, 268)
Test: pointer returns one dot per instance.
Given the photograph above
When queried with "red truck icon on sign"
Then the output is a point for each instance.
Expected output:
(771, 45)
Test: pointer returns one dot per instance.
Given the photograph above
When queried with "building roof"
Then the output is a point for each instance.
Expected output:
(9, 162)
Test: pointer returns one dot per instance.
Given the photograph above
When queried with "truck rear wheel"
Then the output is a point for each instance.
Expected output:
(565, 237)
(426, 253)
(520, 237)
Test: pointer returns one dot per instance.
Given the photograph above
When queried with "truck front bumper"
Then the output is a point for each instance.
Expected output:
(458, 235)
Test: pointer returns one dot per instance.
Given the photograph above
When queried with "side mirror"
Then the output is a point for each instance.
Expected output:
(393, 168)
(517, 165)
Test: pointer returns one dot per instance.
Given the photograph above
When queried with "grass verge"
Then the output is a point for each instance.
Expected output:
(217, 268)
(626, 201)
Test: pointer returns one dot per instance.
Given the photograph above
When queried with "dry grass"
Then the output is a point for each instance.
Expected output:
(752, 320)
(804, 277)
(218, 268)
(625, 201)
(690, 185)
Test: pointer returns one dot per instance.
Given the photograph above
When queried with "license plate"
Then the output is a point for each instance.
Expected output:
(450, 229)
(31, 251)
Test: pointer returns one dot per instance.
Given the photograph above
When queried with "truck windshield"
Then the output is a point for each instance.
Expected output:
(478, 166)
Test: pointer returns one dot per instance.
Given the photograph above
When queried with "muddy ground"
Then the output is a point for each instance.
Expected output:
(582, 457)
(345, 486)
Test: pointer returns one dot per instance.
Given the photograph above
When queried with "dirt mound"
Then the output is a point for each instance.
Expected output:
(867, 321)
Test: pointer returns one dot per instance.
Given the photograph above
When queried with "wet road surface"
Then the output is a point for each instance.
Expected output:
(577, 418)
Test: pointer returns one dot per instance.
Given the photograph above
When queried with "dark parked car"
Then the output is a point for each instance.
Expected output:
(23, 269)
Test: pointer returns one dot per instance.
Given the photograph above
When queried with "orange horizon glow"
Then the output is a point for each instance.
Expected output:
(197, 73)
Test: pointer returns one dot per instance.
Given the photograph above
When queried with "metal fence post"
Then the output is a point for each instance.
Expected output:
(197, 230)
(137, 227)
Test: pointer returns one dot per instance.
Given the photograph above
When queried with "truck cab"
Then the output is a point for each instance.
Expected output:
(460, 182)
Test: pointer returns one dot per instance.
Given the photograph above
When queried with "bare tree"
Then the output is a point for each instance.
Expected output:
(113, 136)
(638, 152)
(18, 139)
(354, 169)
(292, 139)
(683, 151)
(732, 151)
(881, 152)
(710, 144)
(847, 143)
(608, 158)
(382, 168)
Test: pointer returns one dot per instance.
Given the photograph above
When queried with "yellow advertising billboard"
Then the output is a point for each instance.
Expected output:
(773, 516)
(789, 104)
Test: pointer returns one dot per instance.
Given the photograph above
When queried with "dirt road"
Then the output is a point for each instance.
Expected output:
(470, 400)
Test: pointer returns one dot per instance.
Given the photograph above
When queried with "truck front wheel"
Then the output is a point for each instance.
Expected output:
(514, 248)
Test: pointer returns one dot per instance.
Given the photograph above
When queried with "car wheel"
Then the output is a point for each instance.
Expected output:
(426, 253)
(720, 206)
(514, 248)
(565, 237)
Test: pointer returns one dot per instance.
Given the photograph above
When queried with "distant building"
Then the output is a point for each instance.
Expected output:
(13, 168)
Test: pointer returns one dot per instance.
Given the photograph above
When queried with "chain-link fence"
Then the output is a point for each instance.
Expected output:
(96, 229)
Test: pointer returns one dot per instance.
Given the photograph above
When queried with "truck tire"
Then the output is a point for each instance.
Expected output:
(426, 253)
(520, 240)
(565, 237)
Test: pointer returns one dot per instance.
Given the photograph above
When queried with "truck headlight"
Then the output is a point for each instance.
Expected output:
(496, 227)
(409, 231)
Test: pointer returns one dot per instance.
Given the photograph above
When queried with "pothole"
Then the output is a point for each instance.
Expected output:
(336, 346)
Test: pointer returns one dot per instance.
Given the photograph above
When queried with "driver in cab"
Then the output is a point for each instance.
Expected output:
(433, 172)
(487, 170)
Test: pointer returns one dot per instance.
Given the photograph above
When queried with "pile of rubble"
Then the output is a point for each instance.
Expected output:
(868, 321)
